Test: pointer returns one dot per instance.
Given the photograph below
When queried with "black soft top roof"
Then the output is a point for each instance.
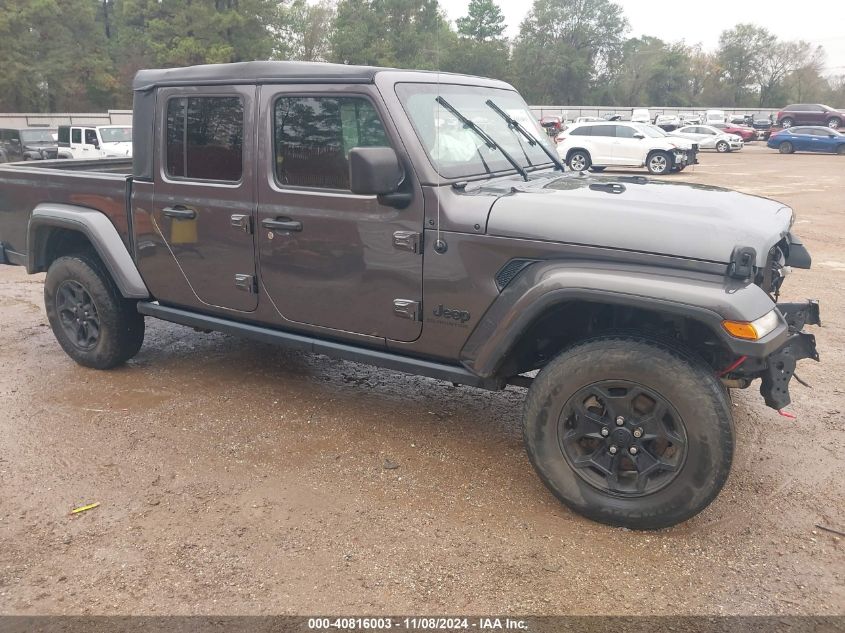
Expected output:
(255, 72)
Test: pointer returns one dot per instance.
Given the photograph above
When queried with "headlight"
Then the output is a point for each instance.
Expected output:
(753, 330)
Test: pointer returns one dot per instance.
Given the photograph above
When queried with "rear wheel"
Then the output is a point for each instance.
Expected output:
(579, 160)
(630, 432)
(723, 146)
(786, 148)
(659, 163)
(92, 322)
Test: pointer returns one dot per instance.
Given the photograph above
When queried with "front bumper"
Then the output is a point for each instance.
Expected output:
(777, 369)
(736, 145)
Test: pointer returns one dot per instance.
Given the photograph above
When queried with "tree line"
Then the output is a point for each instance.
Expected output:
(77, 55)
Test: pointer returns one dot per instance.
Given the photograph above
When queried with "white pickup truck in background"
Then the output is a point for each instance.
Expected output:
(95, 141)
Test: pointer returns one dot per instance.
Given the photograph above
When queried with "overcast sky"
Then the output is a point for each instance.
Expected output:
(702, 21)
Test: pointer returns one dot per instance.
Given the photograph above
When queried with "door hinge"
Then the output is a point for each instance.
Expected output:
(247, 283)
(407, 309)
(242, 221)
(407, 241)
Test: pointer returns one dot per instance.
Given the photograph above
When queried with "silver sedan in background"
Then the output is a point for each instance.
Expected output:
(709, 137)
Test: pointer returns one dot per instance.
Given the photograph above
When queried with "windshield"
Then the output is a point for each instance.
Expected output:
(456, 151)
(651, 131)
(37, 136)
(116, 134)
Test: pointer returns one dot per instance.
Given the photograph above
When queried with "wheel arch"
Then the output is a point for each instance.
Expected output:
(579, 149)
(55, 230)
(550, 305)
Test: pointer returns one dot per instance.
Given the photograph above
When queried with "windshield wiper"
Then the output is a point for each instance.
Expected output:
(488, 141)
(516, 125)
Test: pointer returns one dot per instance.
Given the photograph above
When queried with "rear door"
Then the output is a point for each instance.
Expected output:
(76, 144)
(330, 258)
(204, 197)
(602, 137)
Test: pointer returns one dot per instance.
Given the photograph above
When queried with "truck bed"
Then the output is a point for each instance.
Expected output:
(101, 184)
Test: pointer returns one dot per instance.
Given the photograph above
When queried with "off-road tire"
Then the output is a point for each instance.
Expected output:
(576, 165)
(120, 331)
(786, 148)
(686, 383)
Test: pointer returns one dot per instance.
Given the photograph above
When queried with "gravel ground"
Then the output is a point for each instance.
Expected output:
(238, 478)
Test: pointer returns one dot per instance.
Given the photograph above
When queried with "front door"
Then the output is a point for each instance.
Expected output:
(628, 150)
(330, 258)
(204, 200)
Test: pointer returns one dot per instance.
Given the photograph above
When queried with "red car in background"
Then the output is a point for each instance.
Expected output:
(745, 132)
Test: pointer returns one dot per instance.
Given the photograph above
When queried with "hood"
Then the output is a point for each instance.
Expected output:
(677, 219)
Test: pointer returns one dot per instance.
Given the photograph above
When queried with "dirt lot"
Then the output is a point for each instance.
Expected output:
(238, 478)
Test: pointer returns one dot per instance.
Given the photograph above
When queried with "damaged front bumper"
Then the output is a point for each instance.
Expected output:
(777, 369)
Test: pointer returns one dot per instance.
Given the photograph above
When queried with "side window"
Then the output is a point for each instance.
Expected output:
(313, 136)
(604, 130)
(64, 135)
(623, 131)
(204, 138)
(580, 131)
(90, 137)
(76, 135)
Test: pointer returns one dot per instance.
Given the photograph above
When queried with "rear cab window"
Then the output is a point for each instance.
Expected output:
(204, 138)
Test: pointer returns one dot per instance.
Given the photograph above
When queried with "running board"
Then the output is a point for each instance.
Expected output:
(408, 365)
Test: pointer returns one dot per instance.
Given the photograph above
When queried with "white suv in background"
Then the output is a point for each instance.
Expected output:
(95, 141)
(599, 145)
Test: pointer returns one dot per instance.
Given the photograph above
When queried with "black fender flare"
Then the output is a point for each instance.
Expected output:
(706, 298)
(100, 232)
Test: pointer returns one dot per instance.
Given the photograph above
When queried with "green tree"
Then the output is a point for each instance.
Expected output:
(565, 47)
(484, 21)
(399, 33)
(741, 54)
(54, 57)
(480, 48)
(305, 30)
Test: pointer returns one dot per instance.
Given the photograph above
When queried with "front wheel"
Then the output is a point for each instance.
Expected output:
(722, 147)
(92, 322)
(659, 163)
(834, 123)
(787, 123)
(786, 148)
(579, 160)
(630, 432)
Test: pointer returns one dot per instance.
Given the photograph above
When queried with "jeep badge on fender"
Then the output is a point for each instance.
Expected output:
(445, 313)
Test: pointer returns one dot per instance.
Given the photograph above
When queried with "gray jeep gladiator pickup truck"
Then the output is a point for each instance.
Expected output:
(422, 222)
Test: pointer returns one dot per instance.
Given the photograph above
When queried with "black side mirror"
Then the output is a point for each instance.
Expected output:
(376, 171)
(639, 135)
